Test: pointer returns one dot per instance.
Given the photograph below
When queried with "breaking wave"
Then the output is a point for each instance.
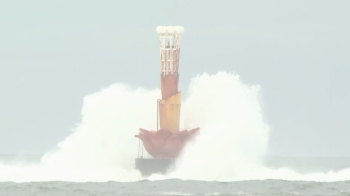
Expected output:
(233, 137)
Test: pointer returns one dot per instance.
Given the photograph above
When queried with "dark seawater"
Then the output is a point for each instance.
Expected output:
(176, 187)
(187, 187)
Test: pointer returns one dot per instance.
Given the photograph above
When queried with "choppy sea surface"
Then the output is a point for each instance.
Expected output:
(177, 187)
(190, 187)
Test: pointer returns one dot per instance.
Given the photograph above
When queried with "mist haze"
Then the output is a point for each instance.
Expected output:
(53, 54)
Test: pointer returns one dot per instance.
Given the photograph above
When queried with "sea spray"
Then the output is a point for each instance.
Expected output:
(102, 147)
(233, 135)
(105, 137)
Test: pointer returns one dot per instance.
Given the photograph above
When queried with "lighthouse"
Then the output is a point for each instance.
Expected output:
(166, 142)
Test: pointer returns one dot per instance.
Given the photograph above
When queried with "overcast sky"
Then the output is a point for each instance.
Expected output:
(53, 53)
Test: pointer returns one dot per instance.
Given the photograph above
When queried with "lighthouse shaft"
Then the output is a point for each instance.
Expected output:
(170, 104)
(167, 142)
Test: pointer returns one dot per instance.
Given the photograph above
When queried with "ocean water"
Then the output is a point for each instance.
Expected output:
(268, 187)
(177, 187)
(227, 158)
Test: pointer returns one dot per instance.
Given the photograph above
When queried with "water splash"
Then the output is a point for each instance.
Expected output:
(233, 134)
(102, 146)
(233, 137)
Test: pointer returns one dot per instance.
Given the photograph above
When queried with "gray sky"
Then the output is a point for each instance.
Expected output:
(53, 53)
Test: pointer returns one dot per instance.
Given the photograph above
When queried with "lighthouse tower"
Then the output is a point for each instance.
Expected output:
(170, 104)
(166, 143)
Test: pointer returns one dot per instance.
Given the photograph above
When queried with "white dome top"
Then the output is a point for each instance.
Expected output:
(161, 29)
(179, 29)
(170, 29)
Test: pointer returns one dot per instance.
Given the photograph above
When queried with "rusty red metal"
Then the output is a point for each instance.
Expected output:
(169, 85)
(168, 142)
(164, 143)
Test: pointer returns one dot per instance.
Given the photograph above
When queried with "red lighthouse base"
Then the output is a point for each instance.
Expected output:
(163, 143)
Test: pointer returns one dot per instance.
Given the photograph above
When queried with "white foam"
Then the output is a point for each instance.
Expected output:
(102, 147)
(233, 135)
